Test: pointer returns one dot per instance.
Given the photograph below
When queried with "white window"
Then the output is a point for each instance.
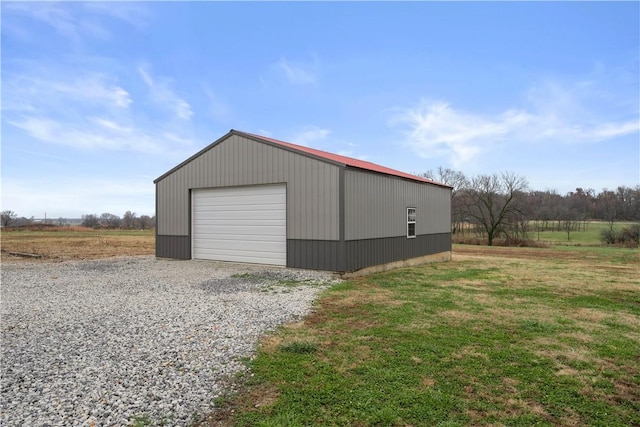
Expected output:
(411, 223)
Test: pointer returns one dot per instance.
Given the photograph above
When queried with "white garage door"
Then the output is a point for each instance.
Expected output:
(242, 224)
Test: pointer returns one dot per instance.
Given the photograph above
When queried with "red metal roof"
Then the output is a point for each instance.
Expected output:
(348, 161)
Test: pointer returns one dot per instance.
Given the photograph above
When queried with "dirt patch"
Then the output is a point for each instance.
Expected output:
(428, 382)
(365, 294)
(590, 315)
(457, 316)
(258, 398)
(460, 252)
(469, 351)
(355, 303)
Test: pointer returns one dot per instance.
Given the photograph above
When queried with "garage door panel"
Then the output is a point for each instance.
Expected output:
(242, 251)
(247, 238)
(256, 258)
(219, 206)
(262, 243)
(236, 211)
(231, 246)
(236, 252)
(231, 226)
(242, 224)
(232, 199)
(239, 207)
(244, 216)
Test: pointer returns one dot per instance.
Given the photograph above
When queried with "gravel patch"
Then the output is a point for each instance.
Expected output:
(109, 342)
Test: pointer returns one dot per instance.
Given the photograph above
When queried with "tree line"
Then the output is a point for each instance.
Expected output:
(107, 220)
(129, 221)
(503, 206)
(493, 206)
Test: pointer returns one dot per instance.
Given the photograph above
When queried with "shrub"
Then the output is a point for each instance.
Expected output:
(469, 240)
(628, 236)
(608, 237)
(514, 242)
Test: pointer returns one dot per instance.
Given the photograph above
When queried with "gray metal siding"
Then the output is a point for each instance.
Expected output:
(316, 254)
(172, 205)
(312, 186)
(365, 253)
(178, 247)
(357, 254)
(375, 206)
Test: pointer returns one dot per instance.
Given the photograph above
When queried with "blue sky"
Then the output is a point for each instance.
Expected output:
(99, 99)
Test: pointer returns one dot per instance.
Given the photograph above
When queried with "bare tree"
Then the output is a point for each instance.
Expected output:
(129, 219)
(90, 220)
(581, 203)
(145, 222)
(453, 178)
(608, 207)
(8, 217)
(498, 203)
(110, 220)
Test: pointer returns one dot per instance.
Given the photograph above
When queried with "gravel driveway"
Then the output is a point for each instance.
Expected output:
(103, 342)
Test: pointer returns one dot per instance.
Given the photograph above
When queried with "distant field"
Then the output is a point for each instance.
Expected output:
(590, 236)
(582, 237)
(62, 243)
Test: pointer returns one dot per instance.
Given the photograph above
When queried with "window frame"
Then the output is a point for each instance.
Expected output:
(411, 222)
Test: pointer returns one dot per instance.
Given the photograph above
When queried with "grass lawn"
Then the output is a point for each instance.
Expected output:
(498, 336)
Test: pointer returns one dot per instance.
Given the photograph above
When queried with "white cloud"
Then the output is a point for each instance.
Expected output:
(435, 129)
(586, 111)
(309, 135)
(86, 135)
(90, 110)
(173, 138)
(55, 15)
(164, 96)
(95, 88)
(73, 20)
(135, 14)
(183, 109)
(218, 109)
(113, 126)
(552, 114)
(612, 130)
(297, 73)
(52, 90)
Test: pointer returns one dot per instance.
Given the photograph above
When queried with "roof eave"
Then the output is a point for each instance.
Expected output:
(287, 146)
(417, 179)
(198, 154)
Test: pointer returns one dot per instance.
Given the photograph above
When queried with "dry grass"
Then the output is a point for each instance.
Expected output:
(68, 243)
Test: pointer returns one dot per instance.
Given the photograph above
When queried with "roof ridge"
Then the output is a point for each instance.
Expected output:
(346, 160)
